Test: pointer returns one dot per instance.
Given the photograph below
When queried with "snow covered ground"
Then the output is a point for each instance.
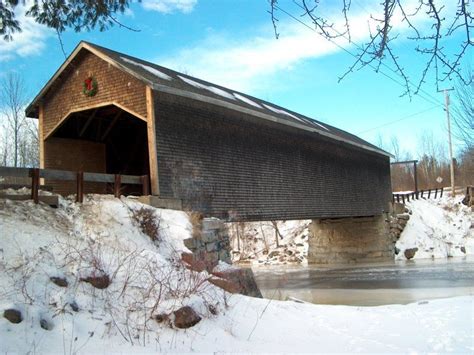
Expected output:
(438, 228)
(105, 236)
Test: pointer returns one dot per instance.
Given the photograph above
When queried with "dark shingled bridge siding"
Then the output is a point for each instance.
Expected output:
(218, 163)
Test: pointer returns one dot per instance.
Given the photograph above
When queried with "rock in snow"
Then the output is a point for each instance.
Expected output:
(185, 317)
(13, 315)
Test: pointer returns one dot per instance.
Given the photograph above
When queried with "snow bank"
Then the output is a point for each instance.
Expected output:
(438, 228)
(102, 238)
(103, 235)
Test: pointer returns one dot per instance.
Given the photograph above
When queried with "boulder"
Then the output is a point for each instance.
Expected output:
(226, 285)
(185, 317)
(192, 263)
(410, 253)
(13, 315)
(237, 280)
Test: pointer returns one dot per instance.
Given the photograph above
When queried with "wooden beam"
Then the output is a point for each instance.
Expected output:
(111, 125)
(35, 181)
(151, 135)
(404, 162)
(80, 187)
(88, 122)
(85, 108)
(41, 135)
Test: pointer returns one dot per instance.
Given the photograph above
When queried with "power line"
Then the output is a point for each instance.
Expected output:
(400, 119)
(431, 101)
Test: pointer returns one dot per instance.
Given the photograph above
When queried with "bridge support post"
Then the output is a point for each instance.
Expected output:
(350, 240)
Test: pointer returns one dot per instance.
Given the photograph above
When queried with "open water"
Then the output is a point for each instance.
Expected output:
(397, 282)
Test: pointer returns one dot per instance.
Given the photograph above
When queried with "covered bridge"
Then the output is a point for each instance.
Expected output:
(210, 148)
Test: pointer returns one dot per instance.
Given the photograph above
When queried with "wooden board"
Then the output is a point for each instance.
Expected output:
(151, 134)
(51, 200)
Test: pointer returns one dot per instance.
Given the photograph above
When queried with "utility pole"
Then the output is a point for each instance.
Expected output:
(446, 101)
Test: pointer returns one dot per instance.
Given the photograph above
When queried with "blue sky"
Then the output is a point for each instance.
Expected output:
(232, 43)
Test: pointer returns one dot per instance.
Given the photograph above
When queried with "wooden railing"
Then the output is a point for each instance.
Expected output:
(78, 176)
(406, 196)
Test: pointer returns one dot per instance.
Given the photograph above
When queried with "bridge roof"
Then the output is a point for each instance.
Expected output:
(176, 83)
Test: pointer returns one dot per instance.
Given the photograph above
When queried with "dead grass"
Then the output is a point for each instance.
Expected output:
(147, 222)
(196, 221)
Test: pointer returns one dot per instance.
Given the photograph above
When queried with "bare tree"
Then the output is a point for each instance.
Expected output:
(382, 34)
(19, 143)
(463, 113)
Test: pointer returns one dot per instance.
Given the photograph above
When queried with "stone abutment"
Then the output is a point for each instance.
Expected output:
(350, 240)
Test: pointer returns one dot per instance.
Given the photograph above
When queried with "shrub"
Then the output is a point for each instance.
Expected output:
(147, 222)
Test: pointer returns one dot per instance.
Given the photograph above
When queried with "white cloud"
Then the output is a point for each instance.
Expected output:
(243, 63)
(169, 6)
(31, 41)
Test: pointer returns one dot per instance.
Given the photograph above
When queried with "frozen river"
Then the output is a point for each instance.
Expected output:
(369, 284)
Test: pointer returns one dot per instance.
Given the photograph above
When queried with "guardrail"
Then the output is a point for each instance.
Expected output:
(79, 176)
(416, 195)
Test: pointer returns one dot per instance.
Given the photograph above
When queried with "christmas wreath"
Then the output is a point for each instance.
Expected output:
(90, 86)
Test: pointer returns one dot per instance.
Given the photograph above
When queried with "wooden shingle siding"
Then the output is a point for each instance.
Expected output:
(219, 163)
(114, 85)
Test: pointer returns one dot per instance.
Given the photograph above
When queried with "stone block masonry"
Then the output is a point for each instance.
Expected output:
(210, 244)
(350, 240)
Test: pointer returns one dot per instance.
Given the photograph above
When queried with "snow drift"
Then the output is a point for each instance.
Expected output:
(49, 257)
(438, 229)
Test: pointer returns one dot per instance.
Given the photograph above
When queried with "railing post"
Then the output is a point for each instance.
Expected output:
(403, 198)
(442, 189)
(117, 183)
(35, 184)
(429, 193)
(436, 192)
(421, 193)
(80, 186)
(398, 198)
(145, 185)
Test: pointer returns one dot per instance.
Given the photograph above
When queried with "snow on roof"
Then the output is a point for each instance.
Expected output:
(210, 88)
(284, 112)
(154, 71)
(246, 100)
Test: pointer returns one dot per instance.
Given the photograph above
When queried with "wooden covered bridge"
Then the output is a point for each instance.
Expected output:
(206, 147)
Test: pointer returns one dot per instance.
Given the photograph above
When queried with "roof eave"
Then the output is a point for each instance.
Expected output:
(32, 108)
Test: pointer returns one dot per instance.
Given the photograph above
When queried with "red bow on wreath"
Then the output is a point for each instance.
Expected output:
(88, 83)
(90, 86)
